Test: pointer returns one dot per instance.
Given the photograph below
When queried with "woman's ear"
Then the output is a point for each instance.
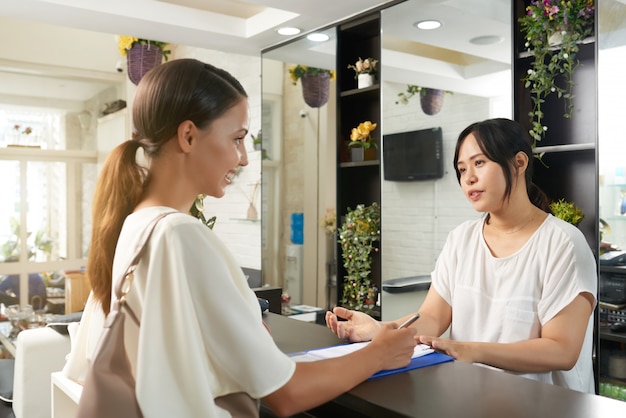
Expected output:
(521, 162)
(186, 134)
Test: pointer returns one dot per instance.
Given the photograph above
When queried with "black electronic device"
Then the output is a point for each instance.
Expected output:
(613, 258)
(414, 155)
(619, 327)
(612, 285)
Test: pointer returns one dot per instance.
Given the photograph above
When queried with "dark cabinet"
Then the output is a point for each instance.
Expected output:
(357, 182)
(568, 168)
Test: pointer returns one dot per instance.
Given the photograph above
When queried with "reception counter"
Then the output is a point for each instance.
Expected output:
(452, 389)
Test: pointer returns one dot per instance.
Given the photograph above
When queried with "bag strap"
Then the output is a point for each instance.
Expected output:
(124, 285)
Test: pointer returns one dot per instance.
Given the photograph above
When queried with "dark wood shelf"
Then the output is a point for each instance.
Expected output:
(359, 164)
(606, 334)
(370, 92)
(357, 182)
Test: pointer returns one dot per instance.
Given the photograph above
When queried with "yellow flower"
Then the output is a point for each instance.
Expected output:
(125, 43)
(298, 71)
(363, 131)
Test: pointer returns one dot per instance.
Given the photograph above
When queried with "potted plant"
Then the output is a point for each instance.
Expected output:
(431, 100)
(362, 144)
(360, 229)
(364, 70)
(315, 83)
(567, 211)
(257, 141)
(553, 29)
(142, 55)
(10, 249)
(197, 211)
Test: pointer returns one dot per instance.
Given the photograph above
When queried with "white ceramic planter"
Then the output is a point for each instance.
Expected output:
(365, 80)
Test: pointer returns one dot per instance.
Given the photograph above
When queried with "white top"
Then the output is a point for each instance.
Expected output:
(508, 299)
(201, 333)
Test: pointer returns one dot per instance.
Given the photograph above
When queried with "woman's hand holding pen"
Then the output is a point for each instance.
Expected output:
(396, 346)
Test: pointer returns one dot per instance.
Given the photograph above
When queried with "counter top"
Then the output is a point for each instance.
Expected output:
(453, 389)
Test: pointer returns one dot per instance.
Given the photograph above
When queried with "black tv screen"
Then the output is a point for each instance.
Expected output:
(413, 156)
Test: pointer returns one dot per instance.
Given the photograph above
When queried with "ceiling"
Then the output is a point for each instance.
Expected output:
(55, 38)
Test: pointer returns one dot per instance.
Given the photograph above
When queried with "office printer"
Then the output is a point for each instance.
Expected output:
(612, 284)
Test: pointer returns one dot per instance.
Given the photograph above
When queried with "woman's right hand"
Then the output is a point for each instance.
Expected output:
(357, 326)
(395, 345)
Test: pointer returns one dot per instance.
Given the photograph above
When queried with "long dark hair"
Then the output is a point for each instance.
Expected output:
(500, 140)
(171, 93)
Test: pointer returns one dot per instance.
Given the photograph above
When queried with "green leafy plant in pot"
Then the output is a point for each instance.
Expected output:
(360, 229)
(567, 211)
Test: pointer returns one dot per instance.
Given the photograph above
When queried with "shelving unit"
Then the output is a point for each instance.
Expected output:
(569, 167)
(357, 182)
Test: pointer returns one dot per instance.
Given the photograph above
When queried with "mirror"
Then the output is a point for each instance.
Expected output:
(299, 174)
(473, 67)
(611, 86)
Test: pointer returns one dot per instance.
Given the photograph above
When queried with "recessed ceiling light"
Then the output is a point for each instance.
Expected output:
(486, 40)
(288, 31)
(427, 24)
(318, 37)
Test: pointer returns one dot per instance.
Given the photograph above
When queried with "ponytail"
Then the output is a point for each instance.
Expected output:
(119, 189)
(538, 197)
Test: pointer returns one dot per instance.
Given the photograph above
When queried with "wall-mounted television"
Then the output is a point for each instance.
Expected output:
(414, 155)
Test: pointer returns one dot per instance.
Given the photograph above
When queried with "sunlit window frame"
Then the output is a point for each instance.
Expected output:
(75, 259)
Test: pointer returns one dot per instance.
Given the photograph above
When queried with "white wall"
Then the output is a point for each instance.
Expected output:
(241, 236)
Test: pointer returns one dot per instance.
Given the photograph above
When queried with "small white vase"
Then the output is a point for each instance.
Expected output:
(365, 80)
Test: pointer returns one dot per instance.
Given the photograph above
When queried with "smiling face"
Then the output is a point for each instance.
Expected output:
(482, 180)
(220, 151)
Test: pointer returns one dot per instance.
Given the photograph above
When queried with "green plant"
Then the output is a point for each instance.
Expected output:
(10, 250)
(567, 211)
(197, 210)
(360, 229)
(296, 72)
(364, 66)
(553, 30)
(258, 139)
(126, 42)
(361, 136)
(412, 90)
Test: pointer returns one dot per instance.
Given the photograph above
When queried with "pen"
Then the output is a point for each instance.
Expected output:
(409, 321)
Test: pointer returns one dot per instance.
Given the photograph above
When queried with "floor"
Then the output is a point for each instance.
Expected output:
(6, 411)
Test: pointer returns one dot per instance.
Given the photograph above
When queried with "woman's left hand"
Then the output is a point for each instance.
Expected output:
(459, 350)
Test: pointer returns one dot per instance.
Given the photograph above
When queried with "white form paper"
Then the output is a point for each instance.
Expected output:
(340, 350)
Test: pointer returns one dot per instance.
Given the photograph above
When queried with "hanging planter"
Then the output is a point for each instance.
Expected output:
(141, 58)
(431, 100)
(315, 88)
(315, 83)
(553, 31)
(142, 55)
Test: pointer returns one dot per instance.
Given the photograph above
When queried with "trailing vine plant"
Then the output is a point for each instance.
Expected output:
(553, 30)
(360, 229)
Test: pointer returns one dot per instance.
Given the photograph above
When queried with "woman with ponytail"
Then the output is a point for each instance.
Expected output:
(517, 287)
(201, 349)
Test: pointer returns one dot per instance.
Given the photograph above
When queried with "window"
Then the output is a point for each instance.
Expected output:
(44, 210)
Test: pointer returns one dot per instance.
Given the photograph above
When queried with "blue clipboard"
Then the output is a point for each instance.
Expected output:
(417, 363)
